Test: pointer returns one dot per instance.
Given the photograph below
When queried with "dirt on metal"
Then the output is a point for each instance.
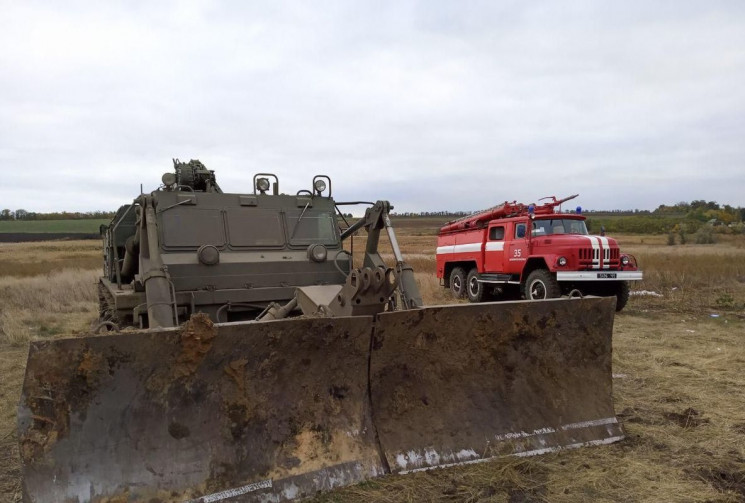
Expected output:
(196, 340)
(278, 410)
(274, 409)
(465, 383)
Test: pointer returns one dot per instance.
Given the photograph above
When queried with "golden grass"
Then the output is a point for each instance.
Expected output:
(701, 278)
(12, 366)
(703, 282)
(48, 305)
(33, 259)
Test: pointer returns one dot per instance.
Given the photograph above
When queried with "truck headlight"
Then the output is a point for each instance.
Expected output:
(262, 184)
(319, 185)
(562, 261)
(168, 179)
(624, 260)
(317, 253)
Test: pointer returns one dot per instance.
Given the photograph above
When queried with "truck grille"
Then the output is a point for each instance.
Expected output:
(590, 257)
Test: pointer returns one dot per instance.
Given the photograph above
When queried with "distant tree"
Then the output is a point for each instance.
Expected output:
(21, 214)
(6, 214)
(683, 237)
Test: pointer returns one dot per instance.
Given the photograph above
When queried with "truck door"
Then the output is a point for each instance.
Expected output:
(517, 249)
(494, 249)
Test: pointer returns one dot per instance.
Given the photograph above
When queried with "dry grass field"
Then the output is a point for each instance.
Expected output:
(679, 377)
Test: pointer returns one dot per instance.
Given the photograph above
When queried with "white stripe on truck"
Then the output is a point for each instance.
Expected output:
(467, 247)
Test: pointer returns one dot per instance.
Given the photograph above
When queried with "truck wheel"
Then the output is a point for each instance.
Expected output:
(622, 295)
(475, 289)
(541, 284)
(458, 282)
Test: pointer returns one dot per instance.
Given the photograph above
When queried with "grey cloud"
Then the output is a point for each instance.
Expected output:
(433, 105)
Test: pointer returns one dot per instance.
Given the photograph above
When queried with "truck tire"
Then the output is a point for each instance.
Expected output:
(541, 284)
(475, 289)
(622, 295)
(458, 282)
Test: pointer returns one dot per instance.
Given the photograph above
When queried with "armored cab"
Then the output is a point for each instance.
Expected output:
(227, 255)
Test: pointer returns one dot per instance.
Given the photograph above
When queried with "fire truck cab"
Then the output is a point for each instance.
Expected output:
(532, 251)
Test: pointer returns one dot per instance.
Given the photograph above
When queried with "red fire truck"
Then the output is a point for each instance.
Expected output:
(535, 251)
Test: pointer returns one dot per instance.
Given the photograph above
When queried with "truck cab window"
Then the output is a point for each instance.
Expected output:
(496, 233)
(311, 227)
(519, 230)
(547, 227)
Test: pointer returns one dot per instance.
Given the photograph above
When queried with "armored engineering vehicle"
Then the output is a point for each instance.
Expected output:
(244, 355)
(190, 248)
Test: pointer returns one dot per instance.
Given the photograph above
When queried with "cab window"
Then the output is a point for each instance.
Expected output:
(191, 228)
(496, 233)
(519, 230)
(547, 227)
(255, 227)
(311, 227)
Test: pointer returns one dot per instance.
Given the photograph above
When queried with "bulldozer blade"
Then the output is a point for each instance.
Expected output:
(239, 411)
(462, 384)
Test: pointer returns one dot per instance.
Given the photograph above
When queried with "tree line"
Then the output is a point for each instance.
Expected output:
(698, 210)
(22, 214)
(680, 218)
(660, 219)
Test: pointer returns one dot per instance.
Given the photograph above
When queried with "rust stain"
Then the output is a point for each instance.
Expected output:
(36, 443)
(237, 371)
(313, 450)
(197, 335)
(56, 390)
(117, 498)
(89, 367)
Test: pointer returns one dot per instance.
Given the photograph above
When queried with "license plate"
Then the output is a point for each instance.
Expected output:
(607, 275)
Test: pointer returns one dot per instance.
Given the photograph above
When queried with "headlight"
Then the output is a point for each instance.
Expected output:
(319, 185)
(317, 252)
(562, 261)
(168, 179)
(262, 184)
(625, 260)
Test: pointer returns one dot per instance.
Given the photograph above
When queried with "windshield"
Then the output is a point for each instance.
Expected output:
(309, 227)
(558, 226)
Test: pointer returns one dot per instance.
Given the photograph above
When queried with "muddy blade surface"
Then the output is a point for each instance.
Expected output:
(464, 383)
(268, 411)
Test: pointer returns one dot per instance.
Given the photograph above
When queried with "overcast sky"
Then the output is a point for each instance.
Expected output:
(433, 105)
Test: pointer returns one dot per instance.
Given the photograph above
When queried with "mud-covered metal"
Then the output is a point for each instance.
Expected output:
(458, 384)
(259, 411)
(278, 410)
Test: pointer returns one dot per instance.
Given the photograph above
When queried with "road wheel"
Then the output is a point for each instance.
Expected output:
(622, 295)
(540, 285)
(458, 282)
(475, 289)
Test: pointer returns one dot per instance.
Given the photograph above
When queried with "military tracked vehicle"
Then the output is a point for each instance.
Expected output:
(243, 355)
(190, 248)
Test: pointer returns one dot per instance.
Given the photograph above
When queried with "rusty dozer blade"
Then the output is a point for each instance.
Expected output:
(465, 383)
(277, 410)
(246, 411)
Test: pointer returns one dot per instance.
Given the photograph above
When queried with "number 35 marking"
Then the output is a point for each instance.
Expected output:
(518, 252)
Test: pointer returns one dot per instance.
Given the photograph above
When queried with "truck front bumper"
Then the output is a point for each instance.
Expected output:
(599, 275)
